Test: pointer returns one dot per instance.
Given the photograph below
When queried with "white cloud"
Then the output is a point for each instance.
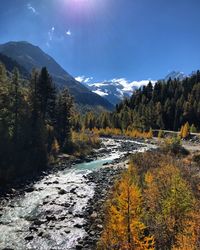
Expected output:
(50, 33)
(128, 86)
(32, 9)
(68, 33)
(84, 79)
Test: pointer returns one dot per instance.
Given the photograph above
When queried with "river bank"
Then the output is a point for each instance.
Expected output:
(55, 211)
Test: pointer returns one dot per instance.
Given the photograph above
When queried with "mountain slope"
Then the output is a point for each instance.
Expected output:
(30, 56)
(11, 64)
(175, 75)
(117, 89)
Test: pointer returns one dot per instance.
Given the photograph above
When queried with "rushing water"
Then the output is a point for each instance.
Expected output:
(51, 216)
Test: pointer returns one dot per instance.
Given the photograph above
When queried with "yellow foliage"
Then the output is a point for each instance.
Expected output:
(185, 130)
(188, 238)
(108, 131)
(169, 202)
(124, 229)
(134, 133)
(85, 136)
(55, 147)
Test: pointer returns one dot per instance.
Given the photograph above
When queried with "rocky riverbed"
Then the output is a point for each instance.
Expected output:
(63, 210)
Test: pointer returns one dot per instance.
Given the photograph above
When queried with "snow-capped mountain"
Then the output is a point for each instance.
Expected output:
(115, 90)
(175, 75)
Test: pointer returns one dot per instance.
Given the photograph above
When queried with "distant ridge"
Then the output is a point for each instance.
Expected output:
(30, 56)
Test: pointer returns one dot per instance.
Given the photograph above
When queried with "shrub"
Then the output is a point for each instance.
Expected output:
(161, 134)
(173, 146)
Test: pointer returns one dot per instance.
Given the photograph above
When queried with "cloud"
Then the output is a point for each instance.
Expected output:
(51, 33)
(128, 85)
(68, 33)
(84, 79)
(32, 9)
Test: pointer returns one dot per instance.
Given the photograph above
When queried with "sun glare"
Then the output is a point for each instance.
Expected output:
(81, 5)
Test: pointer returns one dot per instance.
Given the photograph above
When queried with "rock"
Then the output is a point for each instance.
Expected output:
(32, 228)
(93, 215)
(79, 246)
(29, 238)
(50, 218)
(67, 231)
(62, 191)
(92, 233)
(73, 190)
(98, 221)
(29, 189)
(40, 234)
(78, 225)
(99, 226)
(56, 182)
(62, 218)
(38, 222)
(45, 202)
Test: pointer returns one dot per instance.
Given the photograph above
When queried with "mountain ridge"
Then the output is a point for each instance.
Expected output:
(30, 56)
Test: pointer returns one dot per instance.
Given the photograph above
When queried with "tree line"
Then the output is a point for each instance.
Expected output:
(166, 105)
(34, 122)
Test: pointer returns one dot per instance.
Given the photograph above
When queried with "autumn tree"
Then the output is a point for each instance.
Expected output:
(124, 228)
(168, 202)
(185, 130)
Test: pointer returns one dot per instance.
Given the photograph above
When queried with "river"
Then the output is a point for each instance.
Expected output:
(51, 215)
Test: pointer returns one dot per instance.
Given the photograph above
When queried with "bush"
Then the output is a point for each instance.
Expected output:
(161, 134)
(196, 158)
(173, 146)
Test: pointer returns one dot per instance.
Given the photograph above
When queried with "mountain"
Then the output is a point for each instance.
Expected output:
(117, 89)
(30, 56)
(11, 64)
(175, 75)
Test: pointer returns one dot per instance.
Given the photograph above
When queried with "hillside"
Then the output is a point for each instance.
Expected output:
(10, 64)
(166, 105)
(30, 56)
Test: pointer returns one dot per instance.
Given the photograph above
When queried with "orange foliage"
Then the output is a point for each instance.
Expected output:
(124, 228)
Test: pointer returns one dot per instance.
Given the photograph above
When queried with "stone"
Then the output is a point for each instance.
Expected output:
(62, 191)
(32, 228)
(29, 238)
(29, 189)
(40, 233)
(38, 222)
(79, 246)
(50, 218)
(93, 215)
(78, 225)
(99, 226)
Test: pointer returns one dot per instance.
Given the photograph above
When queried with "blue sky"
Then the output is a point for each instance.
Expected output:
(106, 39)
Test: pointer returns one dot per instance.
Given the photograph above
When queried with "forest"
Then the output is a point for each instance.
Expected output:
(153, 205)
(34, 123)
(166, 105)
(37, 120)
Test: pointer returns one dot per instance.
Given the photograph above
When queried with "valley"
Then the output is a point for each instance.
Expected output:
(52, 213)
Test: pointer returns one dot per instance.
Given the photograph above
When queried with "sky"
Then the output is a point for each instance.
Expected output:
(98, 40)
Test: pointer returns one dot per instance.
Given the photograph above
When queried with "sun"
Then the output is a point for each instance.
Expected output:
(79, 7)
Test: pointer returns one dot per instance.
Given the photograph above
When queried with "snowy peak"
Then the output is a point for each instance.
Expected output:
(114, 90)
(175, 75)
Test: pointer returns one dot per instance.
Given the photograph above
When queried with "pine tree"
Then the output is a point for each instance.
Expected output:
(63, 120)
